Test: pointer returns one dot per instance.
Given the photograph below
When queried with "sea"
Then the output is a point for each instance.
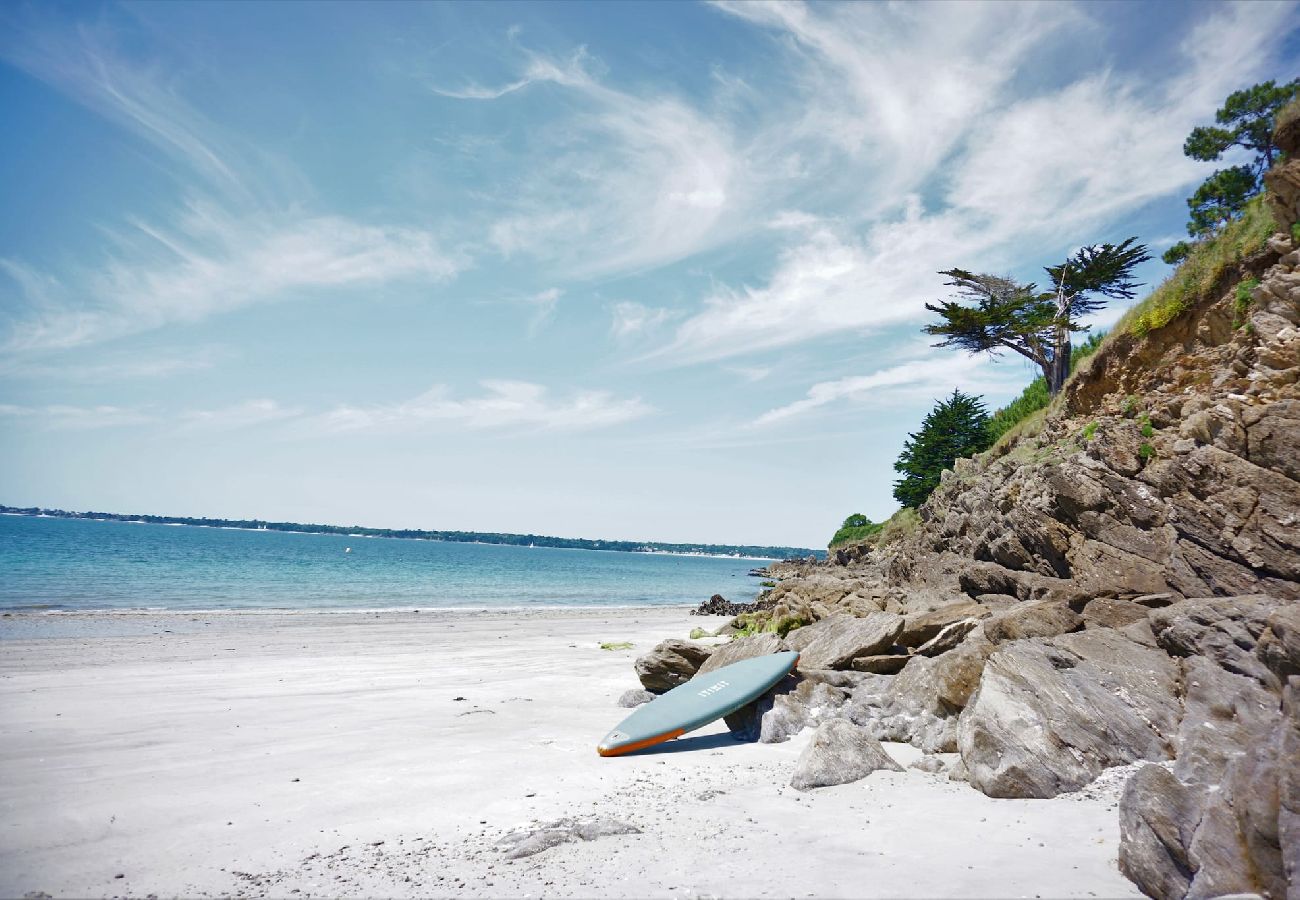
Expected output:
(68, 565)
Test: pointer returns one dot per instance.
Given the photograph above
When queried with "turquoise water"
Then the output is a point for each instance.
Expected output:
(78, 564)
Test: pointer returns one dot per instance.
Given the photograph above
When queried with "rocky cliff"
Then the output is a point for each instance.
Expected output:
(1119, 581)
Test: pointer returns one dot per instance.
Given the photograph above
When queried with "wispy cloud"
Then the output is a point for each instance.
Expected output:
(77, 417)
(236, 416)
(213, 262)
(242, 236)
(633, 180)
(1017, 180)
(909, 382)
(503, 404)
(631, 318)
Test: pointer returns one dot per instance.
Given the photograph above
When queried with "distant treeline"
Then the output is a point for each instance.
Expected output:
(467, 537)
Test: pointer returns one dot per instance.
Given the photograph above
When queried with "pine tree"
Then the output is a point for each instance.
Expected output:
(956, 427)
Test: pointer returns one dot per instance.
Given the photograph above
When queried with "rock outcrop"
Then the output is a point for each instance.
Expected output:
(1116, 581)
(839, 752)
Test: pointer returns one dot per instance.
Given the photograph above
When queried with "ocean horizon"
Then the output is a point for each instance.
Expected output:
(60, 565)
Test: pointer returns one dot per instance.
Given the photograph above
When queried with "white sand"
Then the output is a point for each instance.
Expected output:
(294, 755)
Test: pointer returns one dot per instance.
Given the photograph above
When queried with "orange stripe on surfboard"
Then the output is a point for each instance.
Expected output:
(641, 745)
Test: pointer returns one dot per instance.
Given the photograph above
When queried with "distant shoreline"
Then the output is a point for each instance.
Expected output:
(758, 553)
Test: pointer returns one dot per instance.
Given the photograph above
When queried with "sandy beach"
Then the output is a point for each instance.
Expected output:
(385, 754)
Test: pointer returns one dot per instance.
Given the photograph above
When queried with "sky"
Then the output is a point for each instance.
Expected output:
(622, 270)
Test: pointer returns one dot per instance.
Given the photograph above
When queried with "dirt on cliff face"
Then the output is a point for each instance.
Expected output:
(1118, 582)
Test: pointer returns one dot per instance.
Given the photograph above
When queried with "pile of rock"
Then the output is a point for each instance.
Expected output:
(718, 605)
(1118, 584)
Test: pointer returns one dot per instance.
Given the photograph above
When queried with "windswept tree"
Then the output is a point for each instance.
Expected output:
(956, 427)
(991, 313)
(1245, 121)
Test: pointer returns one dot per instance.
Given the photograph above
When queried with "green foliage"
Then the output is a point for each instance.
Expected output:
(1035, 396)
(991, 314)
(1242, 305)
(857, 520)
(1220, 199)
(1089, 431)
(956, 427)
(1129, 406)
(697, 633)
(1199, 276)
(1031, 400)
(1295, 232)
(849, 534)
(1147, 430)
(767, 584)
(616, 645)
(1177, 253)
(1245, 120)
(1146, 451)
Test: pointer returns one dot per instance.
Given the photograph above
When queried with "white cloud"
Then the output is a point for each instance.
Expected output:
(909, 382)
(238, 415)
(213, 263)
(632, 180)
(504, 404)
(77, 417)
(543, 303)
(1011, 182)
(631, 318)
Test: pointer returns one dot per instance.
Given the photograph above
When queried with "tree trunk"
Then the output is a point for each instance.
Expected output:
(1060, 367)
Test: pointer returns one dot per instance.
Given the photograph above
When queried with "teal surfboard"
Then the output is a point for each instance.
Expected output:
(703, 699)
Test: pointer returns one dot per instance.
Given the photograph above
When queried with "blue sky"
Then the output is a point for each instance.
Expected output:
(650, 271)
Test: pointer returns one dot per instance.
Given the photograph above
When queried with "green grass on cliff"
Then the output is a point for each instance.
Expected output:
(851, 534)
(1203, 270)
(1035, 396)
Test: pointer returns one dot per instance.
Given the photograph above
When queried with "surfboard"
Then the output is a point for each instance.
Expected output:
(703, 699)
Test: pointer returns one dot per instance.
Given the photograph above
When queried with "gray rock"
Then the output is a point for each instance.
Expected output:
(743, 648)
(1224, 629)
(886, 664)
(836, 646)
(1218, 824)
(1157, 814)
(840, 752)
(634, 697)
(948, 637)
(671, 663)
(530, 841)
(920, 705)
(1050, 714)
(787, 709)
(1279, 644)
(919, 628)
(1107, 612)
(1046, 618)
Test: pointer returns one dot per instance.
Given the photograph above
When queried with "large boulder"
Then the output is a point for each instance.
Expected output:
(671, 663)
(1224, 629)
(1046, 618)
(919, 628)
(743, 648)
(1156, 822)
(1224, 821)
(839, 640)
(1050, 714)
(838, 753)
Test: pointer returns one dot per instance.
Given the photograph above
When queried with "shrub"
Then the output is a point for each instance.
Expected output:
(1242, 307)
(1089, 431)
(1146, 451)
